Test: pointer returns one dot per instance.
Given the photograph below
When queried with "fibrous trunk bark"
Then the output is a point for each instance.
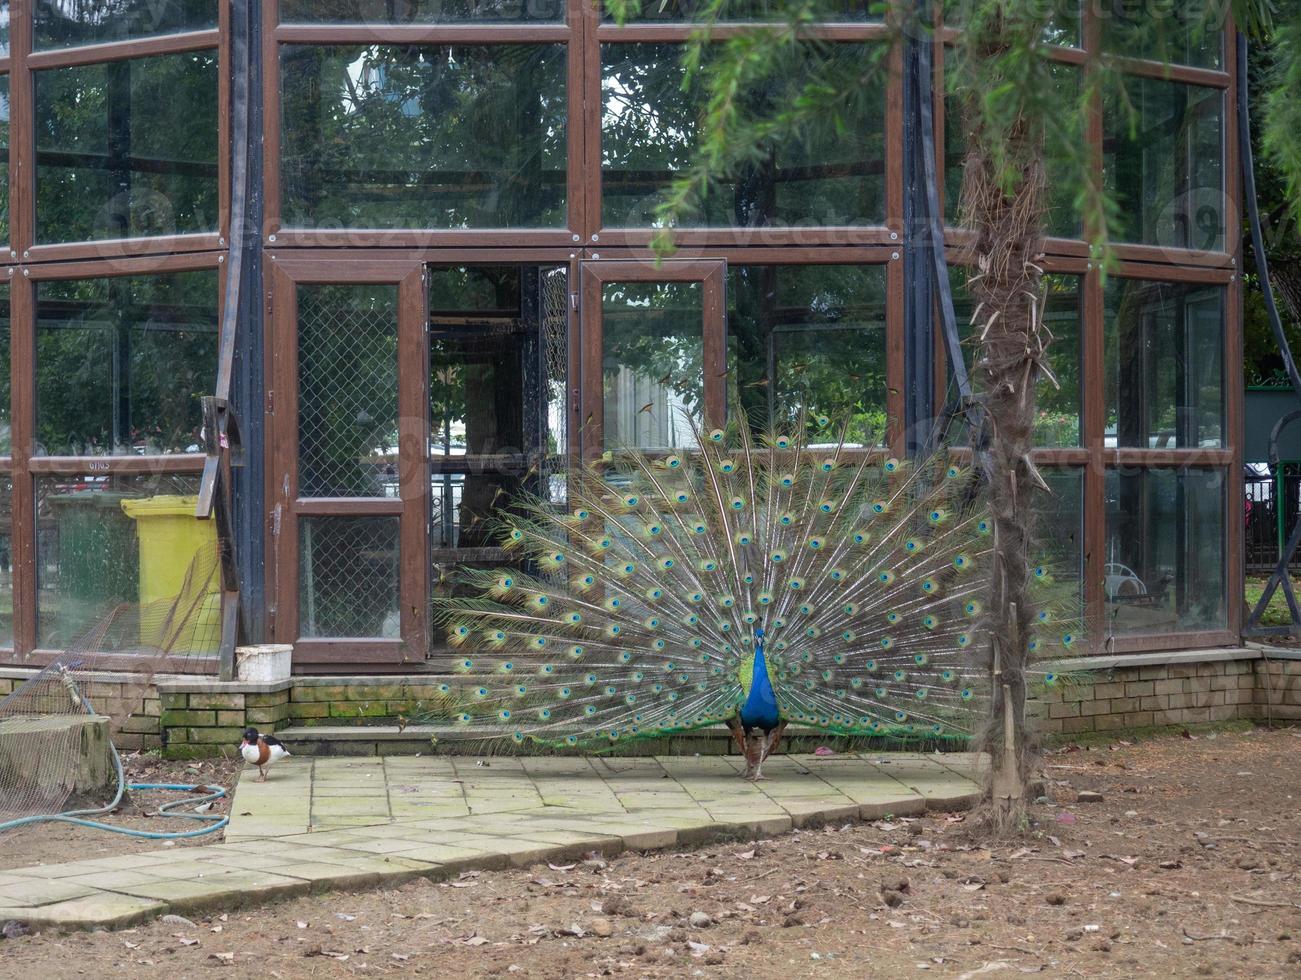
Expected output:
(1011, 345)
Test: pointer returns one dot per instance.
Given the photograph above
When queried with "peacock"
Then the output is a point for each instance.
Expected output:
(758, 580)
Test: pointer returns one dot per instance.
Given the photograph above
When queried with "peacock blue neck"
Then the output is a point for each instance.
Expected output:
(759, 709)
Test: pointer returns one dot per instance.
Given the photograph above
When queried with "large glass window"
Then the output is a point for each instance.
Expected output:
(1164, 349)
(1058, 530)
(810, 338)
(65, 23)
(1165, 550)
(1164, 160)
(1176, 31)
(121, 363)
(831, 173)
(347, 391)
(127, 148)
(423, 136)
(498, 358)
(420, 11)
(1058, 421)
(112, 556)
(653, 362)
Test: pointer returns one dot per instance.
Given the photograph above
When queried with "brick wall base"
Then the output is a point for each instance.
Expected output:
(1105, 694)
(193, 717)
(132, 704)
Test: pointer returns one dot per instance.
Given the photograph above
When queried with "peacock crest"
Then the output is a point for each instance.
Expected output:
(752, 581)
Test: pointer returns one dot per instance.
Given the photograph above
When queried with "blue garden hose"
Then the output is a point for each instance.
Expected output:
(207, 793)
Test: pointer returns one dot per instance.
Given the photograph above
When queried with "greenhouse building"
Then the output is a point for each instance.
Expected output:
(300, 292)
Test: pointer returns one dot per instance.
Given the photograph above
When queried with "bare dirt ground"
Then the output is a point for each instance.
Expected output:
(54, 843)
(1186, 867)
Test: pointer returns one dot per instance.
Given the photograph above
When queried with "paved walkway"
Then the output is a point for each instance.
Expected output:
(319, 824)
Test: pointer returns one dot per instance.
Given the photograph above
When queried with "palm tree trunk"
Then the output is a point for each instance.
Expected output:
(1007, 216)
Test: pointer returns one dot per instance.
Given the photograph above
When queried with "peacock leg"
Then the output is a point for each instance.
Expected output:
(754, 756)
(739, 736)
(774, 739)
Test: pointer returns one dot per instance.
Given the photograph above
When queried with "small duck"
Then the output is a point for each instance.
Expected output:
(261, 751)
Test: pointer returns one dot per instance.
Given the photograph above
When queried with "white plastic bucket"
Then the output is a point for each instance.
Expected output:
(263, 664)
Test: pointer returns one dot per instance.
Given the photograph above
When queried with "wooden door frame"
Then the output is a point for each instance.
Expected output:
(284, 505)
(593, 275)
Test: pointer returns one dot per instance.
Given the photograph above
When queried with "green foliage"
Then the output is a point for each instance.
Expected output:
(1281, 130)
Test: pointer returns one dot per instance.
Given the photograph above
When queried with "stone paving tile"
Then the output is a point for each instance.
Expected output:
(37, 891)
(229, 888)
(349, 823)
(105, 910)
(110, 880)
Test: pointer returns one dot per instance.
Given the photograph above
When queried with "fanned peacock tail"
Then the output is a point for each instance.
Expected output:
(635, 614)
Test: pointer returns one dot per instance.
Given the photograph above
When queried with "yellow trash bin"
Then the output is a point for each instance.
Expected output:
(170, 539)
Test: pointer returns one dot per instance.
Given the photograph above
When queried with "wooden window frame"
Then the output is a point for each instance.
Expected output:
(21, 64)
(711, 273)
(25, 467)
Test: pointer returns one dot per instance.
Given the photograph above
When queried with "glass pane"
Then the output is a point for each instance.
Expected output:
(653, 362)
(6, 562)
(1059, 528)
(750, 10)
(833, 173)
(809, 338)
(121, 363)
(66, 23)
(347, 391)
(1181, 32)
(127, 148)
(1165, 550)
(422, 136)
(420, 11)
(1164, 349)
(126, 556)
(348, 579)
(4, 28)
(498, 396)
(4, 158)
(464, 504)
(1163, 153)
(1058, 422)
(5, 379)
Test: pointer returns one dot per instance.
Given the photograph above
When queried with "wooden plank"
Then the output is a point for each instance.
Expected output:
(87, 260)
(413, 443)
(140, 47)
(377, 32)
(349, 506)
